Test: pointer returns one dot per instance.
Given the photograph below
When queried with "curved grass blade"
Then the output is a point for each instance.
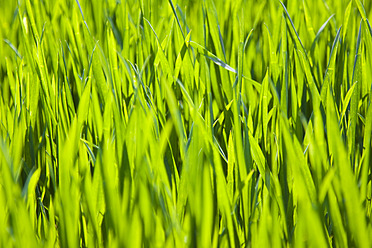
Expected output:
(200, 49)
(319, 33)
(13, 48)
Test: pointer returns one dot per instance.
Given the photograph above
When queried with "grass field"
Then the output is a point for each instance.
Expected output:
(159, 123)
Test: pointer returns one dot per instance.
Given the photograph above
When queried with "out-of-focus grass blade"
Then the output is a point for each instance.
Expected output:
(346, 19)
(223, 198)
(367, 147)
(355, 214)
(299, 167)
(362, 11)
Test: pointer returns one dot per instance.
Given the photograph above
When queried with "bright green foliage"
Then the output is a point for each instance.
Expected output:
(185, 123)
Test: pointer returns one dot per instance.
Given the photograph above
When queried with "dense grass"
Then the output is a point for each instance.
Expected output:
(190, 123)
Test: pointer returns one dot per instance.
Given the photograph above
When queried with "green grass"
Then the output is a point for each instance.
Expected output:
(185, 123)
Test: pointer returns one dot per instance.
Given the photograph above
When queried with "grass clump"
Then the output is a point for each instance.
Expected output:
(185, 124)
